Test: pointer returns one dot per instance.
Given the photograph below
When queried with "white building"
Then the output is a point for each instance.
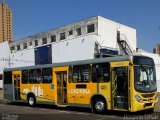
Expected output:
(86, 39)
(5, 54)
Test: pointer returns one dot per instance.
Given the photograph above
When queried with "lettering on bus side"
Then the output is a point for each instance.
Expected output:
(79, 91)
(38, 91)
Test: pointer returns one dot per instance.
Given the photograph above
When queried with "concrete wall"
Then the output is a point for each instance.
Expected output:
(23, 58)
(80, 48)
(72, 50)
(107, 31)
(4, 57)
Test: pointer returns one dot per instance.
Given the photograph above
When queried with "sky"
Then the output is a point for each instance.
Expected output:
(34, 16)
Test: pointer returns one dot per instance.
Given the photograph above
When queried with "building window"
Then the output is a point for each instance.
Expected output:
(24, 76)
(36, 42)
(30, 43)
(47, 75)
(44, 41)
(53, 38)
(78, 31)
(70, 32)
(24, 45)
(13, 48)
(35, 76)
(62, 36)
(81, 73)
(100, 72)
(90, 28)
(43, 55)
(18, 47)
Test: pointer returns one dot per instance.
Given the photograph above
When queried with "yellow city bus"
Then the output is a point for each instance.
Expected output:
(123, 83)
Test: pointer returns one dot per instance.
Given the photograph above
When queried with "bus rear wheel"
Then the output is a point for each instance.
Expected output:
(31, 100)
(99, 106)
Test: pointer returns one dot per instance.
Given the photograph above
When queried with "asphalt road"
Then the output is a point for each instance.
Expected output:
(21, 111)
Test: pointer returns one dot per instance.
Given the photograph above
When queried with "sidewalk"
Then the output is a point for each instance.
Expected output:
(1, 96)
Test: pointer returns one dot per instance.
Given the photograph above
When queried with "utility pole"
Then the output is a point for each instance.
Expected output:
(9, 62)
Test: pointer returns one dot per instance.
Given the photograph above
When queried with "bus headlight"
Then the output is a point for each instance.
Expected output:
(156, 97)
(138, 98)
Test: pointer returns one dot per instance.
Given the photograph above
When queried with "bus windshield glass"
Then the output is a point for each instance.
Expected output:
(144, 74)
(145, 80)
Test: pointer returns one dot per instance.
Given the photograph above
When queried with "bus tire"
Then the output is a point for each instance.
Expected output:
(31, 100)
(99, 106)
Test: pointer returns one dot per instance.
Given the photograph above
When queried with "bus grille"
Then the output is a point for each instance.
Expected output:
(148, 95)
(147, 104)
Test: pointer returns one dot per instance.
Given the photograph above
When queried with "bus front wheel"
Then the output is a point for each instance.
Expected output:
(31, 100)
(99, 106)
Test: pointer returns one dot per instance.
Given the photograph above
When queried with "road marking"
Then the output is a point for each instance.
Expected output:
(83, 113)
(28, 107)
(13, 106)
(43, 109)
(109, 116)
(101, 118)
(64, 111)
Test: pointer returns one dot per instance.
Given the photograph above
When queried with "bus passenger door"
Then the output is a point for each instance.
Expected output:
(119, 85)
(8, 86)
(16, 79)
(61, 87)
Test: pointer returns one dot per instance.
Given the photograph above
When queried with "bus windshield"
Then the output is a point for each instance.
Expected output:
(145, 78)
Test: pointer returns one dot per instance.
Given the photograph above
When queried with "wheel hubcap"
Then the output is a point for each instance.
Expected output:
(99, 105)
(31, 100)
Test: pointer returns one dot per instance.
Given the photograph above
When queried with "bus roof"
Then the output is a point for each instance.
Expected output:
(80, 62)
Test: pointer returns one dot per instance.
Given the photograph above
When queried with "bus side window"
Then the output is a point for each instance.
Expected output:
(8, 77)
(75, 74)
(105, 72)
(100, 72)
(35, 76)
(81, 73)
(47, 75)
(85, 73)
(70, 74)
(25, 77)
